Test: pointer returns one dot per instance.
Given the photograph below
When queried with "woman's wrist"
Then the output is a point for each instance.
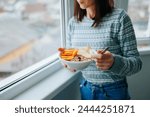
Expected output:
(112, 62)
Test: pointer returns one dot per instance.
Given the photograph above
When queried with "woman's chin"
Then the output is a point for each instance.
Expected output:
(82, 7)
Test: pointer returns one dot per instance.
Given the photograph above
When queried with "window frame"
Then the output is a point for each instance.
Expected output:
(66, 15)
(142, 40)
(19, 82)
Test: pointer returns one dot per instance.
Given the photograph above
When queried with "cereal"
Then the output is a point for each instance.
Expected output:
(78, 58)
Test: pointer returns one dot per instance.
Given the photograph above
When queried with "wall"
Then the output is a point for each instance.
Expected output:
(139, 84)
(70, 93)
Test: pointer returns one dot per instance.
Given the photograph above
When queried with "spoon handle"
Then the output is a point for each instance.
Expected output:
(96, 55)
(104, 50)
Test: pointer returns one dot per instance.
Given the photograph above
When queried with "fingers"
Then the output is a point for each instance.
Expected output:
(105, 61)
(105, 55)
(103, 68)
(99, 51)
(97, 56)
(102, 65)
(65, 65)
(70, 69)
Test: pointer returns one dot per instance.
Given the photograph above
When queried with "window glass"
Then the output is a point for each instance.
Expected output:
(139, 11)
(30, 32)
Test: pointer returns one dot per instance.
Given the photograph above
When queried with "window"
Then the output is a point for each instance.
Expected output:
(30, 32)
(139, 11)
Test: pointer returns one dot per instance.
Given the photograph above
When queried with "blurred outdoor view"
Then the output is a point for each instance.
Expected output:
(139, 11)
(29, 32)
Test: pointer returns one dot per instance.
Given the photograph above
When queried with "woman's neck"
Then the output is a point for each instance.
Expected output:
(91, 12)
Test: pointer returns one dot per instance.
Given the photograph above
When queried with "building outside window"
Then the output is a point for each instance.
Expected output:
(139, 11)
(30, 32)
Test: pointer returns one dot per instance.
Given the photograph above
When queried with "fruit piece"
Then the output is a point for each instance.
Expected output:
(67, 54)
(61, 49)
(85, 51)
(68, 58)
(74, 53)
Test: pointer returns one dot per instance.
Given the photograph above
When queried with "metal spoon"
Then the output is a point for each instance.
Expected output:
(104, 50)
(95, 55)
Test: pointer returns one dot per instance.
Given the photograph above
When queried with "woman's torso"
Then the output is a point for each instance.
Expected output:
(105, 35)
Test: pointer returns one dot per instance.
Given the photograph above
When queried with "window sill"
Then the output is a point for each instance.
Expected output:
(144, 50)
(50, 86)
(53, 83)
(23, 80)
(144, 45)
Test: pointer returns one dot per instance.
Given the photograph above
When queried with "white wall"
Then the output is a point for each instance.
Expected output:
(139, 84)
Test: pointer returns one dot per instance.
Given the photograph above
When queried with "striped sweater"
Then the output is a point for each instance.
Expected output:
(116, 32)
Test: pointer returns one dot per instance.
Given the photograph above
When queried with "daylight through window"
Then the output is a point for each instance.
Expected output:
(139, 12)
(30, 32)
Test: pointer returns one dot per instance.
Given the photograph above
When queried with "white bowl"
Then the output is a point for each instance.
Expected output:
(76, 65)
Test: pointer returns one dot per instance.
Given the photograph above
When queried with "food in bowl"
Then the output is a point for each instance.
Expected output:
(81, 54)
(76, 58)
(67, 54)
(79, 58)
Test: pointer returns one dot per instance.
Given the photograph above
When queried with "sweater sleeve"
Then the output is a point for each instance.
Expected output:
(129, 62)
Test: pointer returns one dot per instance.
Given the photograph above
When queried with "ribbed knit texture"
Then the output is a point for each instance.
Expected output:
(116, 32)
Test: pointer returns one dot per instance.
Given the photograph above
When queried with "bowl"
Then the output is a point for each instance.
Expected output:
(77, 65)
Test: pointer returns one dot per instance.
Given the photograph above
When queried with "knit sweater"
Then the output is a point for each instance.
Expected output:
(114, 31)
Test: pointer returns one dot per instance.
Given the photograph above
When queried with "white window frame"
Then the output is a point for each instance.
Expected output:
(66, 14)
(21, 81)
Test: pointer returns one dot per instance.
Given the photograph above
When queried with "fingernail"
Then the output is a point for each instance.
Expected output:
(97, 56)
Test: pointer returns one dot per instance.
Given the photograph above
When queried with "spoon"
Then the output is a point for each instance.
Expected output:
(95, 55)
(104, 50)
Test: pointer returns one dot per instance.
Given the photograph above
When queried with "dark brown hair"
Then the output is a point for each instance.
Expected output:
(103, 7)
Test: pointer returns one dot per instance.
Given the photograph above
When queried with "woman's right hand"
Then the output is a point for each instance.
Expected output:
(70, 69)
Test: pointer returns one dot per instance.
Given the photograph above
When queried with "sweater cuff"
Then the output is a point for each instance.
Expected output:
(118, 64)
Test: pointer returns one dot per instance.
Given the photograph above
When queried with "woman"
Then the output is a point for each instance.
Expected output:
(96, 23)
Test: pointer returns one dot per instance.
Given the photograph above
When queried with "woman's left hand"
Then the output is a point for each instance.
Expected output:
(104, 61)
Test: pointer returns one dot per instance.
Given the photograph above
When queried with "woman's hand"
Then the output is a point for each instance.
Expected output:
(70, 69)
(104, 61)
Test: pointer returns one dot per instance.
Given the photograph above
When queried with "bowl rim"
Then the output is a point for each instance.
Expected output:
(76, 61)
